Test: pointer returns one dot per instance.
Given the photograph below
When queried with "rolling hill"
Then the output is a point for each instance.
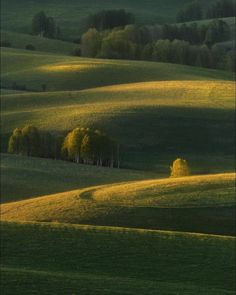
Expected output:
(62, 259)
(194, 204)
(20, 41)
(60, 72)
(24, 177)
(147, 118)
(17, 15)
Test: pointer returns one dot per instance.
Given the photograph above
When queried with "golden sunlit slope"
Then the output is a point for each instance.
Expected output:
(177, 117)
(57, 72)
(25, 177)
(197, 203)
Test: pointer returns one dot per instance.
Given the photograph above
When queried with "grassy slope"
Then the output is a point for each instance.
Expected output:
(196, 204)
(149, 116)
(62, 259)
(41, 44)
(23, 177)
(72, 73)
(17, 15)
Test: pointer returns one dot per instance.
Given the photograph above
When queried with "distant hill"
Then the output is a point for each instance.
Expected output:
(70, 15)
(18, 40)
(156, 120)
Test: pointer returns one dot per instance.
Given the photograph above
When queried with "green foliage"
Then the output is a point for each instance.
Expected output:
(221, 8)
(32, 141)
(25, 141)
(218, 31)
(15, 144)
(91, 43)
(44, 26)
(117, 46)
(84, 145)
(190, 11)
(180, 168)
(108, 19)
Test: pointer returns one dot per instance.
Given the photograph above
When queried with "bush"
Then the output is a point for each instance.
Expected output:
(180, 168)
(5, 43)
(29, 47)
(77, 51)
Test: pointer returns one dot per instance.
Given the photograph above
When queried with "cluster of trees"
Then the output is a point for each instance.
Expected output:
(29, 141)
(215, 31)
(165, 44)
(81, 145)
(181, 52)
(84, 145)
(109, 19)
(190, 11)
(196, 11)
(221, 8)
(45, 26)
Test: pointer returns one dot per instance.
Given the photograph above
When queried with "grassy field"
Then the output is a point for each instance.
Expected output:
(23, 177)
(195, 204)
(18, 40)
(147, 118)
(73, 73)
(64, 259)
(17, 15)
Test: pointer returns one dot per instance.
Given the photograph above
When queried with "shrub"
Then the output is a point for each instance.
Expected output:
(179, 168)
(5, 43)
(30, 47)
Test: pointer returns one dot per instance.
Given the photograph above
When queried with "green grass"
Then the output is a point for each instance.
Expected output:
(72, 73)
(148, 119)
(194, 204)
(17, 15)
(24, 177)
(64, 259)
(40, 44)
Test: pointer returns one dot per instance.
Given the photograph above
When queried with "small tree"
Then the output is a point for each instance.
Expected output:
(180, 168)
(15, 143)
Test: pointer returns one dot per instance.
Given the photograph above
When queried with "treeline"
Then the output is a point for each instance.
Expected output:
(196, 10)
(109, 19)
(81, 145)
(190, 45)
(45, 26)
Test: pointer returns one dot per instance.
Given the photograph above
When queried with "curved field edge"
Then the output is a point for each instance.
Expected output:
(92, 259)
(27, 177)
(198, 204)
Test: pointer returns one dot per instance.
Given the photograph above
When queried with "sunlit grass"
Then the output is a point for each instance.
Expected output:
(142, 204)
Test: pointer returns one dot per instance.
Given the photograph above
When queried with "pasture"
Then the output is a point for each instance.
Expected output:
(62, 259)
(194, 204)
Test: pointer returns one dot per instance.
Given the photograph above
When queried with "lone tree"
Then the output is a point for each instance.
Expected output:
(44, 26)
(180, 168)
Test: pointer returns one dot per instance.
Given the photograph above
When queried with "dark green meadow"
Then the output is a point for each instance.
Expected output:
(62, 259)
(90, 201)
